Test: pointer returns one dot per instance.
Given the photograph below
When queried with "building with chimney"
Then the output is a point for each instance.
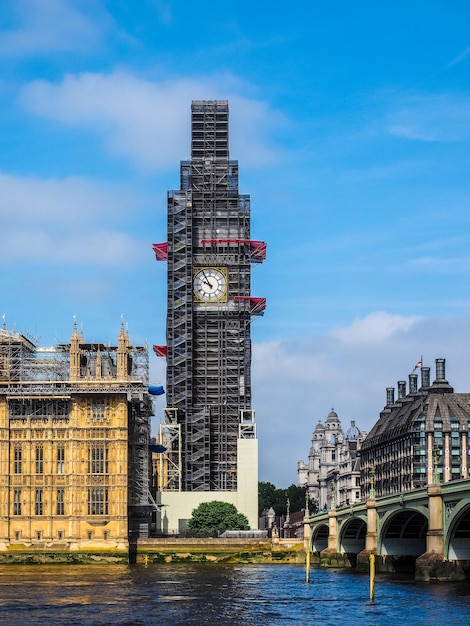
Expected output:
(421, 436)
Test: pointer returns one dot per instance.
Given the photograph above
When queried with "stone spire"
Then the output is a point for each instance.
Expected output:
(122, 353)
(75, 353)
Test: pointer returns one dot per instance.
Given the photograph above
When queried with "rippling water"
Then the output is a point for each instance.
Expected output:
(228, 594)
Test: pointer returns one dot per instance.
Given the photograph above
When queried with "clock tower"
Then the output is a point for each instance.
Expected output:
(208, 429)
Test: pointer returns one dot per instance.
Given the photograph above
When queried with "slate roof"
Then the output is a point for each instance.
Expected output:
(437, 402)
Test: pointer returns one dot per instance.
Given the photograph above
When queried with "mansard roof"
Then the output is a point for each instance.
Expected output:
(436, 403)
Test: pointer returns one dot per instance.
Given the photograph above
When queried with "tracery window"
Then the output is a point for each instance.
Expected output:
(98, 459)
(39, 460)
(60, 502)
(98, 408)
(38, 504)
(98, 501)
(17, 502)
(18, 460)
(61, 460)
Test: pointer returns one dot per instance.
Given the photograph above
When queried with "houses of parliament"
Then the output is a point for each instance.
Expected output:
(74, 432)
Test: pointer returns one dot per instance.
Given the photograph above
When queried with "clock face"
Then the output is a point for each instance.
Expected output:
(210, 284)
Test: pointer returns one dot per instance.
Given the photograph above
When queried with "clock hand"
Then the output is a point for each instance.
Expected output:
(206, 279)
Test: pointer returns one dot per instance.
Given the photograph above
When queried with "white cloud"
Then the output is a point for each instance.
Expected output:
(375, 328)
(72, 200)
(439, 118)
(78, 248)
(51, 26)
(149, 121)
(69, 221)
(297, 382)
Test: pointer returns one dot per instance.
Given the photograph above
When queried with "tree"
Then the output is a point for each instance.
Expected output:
(270, 496)
(216, 517)
(266, 497)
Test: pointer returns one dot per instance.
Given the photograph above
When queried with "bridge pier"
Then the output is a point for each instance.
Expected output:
(424, 532)
(363, 557)
(331, 557)
(431, 565)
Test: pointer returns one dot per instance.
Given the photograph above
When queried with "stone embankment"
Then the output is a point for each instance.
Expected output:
(175, 550)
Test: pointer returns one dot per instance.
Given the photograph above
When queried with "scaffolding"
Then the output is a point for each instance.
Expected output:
(22, 360)
(42, 383)
(208, 349)
(27, 369)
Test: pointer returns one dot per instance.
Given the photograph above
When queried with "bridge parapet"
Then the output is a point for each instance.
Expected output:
(429, 527)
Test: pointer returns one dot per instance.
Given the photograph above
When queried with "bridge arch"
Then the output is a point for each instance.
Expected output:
(403, 533)
(352, 537)
(319, 538)
(457, 539)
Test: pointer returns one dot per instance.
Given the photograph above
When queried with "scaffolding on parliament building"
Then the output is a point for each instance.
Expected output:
(44, 383)
(208, 348)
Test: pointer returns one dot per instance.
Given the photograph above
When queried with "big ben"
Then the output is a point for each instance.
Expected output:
(208, 427)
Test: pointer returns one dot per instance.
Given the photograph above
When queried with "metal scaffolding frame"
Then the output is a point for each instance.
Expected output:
(38, 384)
(208, 348)
(22, 360)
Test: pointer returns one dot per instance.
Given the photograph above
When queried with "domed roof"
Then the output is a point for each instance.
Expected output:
(319, 426)
(332, 416)
(353, 432)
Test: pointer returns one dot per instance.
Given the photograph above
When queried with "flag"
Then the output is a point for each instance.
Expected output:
(418, 364)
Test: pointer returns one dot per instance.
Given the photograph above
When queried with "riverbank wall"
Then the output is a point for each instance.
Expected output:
(164, 550)
(218, 550)
(44, 553)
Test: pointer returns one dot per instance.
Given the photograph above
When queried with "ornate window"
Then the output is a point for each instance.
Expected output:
(17, 502)
(98, 459)
(61, 460)
(39, 460)
(60, 501)
(98, 408)
(98, 501)
(18, 460)
(38, 504)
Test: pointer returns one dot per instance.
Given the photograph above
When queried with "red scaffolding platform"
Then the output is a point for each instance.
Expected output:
(258, 248)
(257, 305)
(160, 350)
(161, 251)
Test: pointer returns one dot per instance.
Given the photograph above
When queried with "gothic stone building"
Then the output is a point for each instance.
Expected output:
(74, 434)
(333, 464)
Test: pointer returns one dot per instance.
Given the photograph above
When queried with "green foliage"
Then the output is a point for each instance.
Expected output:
(270, 496)
(216, 517)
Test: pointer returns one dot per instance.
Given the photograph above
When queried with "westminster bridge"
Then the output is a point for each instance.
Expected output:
(426, 530)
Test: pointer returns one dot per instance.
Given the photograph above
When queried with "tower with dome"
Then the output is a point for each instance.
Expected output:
(332, 471)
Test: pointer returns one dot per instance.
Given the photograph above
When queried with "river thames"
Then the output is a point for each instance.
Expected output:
(245, 595)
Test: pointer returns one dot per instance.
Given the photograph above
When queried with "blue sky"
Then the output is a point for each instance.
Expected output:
(351, 125)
